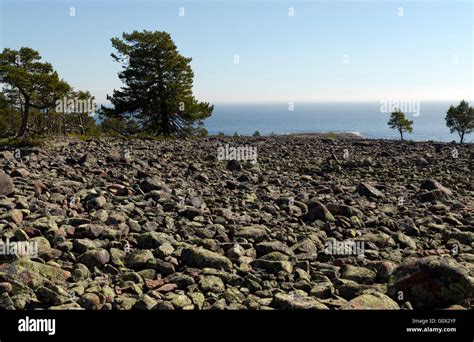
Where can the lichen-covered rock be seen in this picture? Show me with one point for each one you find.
(360, 275)
(256, 233)
(212, 284)
(95, 258)
(200, 258)
(32, 273)
(294, 301)
(6, 184)
(161, 225)
(371, 301)
(273, 266)
(318, 211)
(431, 282)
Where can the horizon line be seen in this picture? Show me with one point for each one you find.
(337, 101)
(328, 101)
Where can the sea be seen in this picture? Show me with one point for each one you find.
(368, 119)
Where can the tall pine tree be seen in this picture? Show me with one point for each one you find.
(157, 92)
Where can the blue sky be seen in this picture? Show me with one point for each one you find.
(327, 51)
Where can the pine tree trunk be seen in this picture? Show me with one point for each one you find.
(81, 124)
(24, 121)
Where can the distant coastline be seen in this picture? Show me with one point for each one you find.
(367, 119)
(330, 135)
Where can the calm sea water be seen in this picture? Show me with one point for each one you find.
(364, 118)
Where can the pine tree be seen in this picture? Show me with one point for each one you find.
(399, 122)
(38, 84)
(157, 92)
(460, 119)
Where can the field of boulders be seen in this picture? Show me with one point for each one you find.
(148, 224)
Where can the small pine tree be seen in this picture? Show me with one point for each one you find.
(399, 122)
(460, 119)
(256, 134)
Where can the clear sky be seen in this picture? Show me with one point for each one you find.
(326, 51)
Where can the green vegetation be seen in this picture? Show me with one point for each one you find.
(34, 101)
(157, 93)
(18, 142)
(156, 101)
(399, 122)
(30, 85)
(460, 119)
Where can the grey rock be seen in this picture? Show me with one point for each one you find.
(94, 258)
(369, 191)
(6, 184)
(285, 301)
(318, 211)
(200, 258)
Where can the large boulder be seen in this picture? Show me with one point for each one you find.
(31, 273)
(431, 282)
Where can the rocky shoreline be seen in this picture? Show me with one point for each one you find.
(315, 223)
(328, 135)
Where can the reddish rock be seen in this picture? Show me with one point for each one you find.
(167, 288)
(154, 284)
